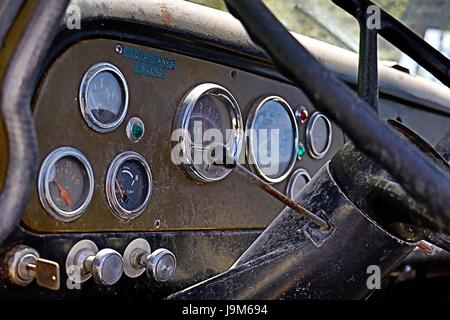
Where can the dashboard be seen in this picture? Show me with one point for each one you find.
(136, 114)
(124, 132)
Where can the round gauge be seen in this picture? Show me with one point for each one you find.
(128, 185)
(298, 180)
(318, 135)
(65, 184)
(209, 118)
(103, 97)
(272, 139)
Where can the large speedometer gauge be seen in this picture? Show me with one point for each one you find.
(208, 119)
(272, 143)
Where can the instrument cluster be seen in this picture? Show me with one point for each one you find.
(266, 133)
(66, 182)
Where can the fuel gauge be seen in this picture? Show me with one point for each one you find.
(128, 185)
(65, 184)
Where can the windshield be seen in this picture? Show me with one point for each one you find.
(323, 20)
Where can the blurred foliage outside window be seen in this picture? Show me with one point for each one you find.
(323, 20)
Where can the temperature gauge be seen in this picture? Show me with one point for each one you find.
(66, 184)
(128, 185)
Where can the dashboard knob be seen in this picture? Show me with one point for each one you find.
(161, 264)
(138, 258)
(106, 267)
(84, 260)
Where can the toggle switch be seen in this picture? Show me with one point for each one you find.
(85, 261)
(138, 258)
(25, 265)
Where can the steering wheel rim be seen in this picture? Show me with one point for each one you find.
(17, 92)
(416, 174)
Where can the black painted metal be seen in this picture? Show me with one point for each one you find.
(368, 86)
(375, 192)
(417, 174)
(404, 39)
(292, 259)
(200, 255)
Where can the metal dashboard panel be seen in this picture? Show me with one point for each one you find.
(177, 202)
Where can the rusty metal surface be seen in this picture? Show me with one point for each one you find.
(177, 202)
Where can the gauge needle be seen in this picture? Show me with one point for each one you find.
(64, 194)
(120, 189)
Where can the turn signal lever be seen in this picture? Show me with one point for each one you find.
(138, 258)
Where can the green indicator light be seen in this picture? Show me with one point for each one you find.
(137, 131)
(300, 151)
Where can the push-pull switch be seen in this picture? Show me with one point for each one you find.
(85, 260)
(25, 265)
(138, 258)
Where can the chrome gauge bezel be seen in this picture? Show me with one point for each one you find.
(44, 189)
(111, 175)
(309, 138)
(250, 152)
(90, 119)
(295, 174)
(182, 119)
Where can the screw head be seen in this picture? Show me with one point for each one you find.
(119, 48)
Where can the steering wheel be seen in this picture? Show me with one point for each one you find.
(417, 174)
(17, 92)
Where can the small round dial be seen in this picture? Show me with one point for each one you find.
(297, 182)
(318, 135)
(103, 97)
(128, 185)
(65, 184)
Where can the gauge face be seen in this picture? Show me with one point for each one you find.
(297, 182)
(128, 185)
(273, 139)
(131, 185)
(318, 135)
(210, 112)
(65, 184)
(104, 97)
(211, 117)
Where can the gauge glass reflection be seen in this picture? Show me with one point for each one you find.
(209, 119)
(105, 97)
(209, 113)
(68, 184)
(273, 139)
(318, 135)
(131, 185)
(65, 184)
(128, 185)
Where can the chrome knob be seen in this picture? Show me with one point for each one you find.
(161, 264)
(84, 260)
(138, 258)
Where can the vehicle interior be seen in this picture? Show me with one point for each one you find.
(175, 150)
